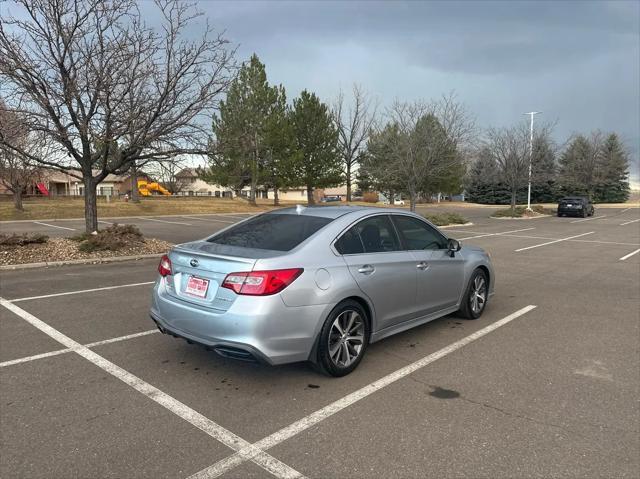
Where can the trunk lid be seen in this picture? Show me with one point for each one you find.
(199, 268)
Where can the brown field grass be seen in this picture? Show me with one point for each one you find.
(62, 208)
(65, 208)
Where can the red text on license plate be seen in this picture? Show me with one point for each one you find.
(197, 286)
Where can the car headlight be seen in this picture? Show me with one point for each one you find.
(579, 207)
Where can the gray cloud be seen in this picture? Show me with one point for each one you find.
(578, 62)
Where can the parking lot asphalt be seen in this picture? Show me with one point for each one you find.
(545, 384)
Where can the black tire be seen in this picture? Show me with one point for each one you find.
(467, 310)
(331, 365)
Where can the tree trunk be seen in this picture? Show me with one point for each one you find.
(90, 205)
(348, 183)
(276, 198)
(254, 181)
(135, 196)
(513, 202)
(17, 199)
(310, 199)
(412, 202)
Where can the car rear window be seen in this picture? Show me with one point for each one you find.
(278, 232)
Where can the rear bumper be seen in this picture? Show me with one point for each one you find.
(570, 212)
(253, 328)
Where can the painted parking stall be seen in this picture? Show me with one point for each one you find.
(83, 334)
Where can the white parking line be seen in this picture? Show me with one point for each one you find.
(105, 222)
(209, 219)
(629, 222)
(312, 419)
(63, 351)
(495, 234)
(629, 255)
(163, 221)
(54, 226)
(226, 437)
(554, 241)
(588, 219)
(574, 240)
(29, 298)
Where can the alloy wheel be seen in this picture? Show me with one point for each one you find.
(346, 338)
(478, 295)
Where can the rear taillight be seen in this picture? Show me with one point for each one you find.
(261, 283)
(164, 268)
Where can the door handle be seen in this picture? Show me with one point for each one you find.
(422, 265)
(366, 269)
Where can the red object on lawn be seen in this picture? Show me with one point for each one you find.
(43, 189)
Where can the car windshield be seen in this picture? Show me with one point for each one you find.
(278, 232)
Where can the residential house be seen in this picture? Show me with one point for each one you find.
(192, 185)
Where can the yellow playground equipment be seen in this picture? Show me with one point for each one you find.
(147, 189)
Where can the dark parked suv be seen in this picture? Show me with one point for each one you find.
(575, 205)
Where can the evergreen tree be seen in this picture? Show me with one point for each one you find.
(280, 143)
(318, 163)
(543, 170)
(376, 172)
(597, 167)
(578, 167)
(240, 149)
(613, 168)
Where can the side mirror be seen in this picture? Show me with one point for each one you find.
(453, 246)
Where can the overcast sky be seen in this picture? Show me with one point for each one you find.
(577, 61)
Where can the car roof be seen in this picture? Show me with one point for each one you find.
(333, 212)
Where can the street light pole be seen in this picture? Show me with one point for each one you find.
(531, 114)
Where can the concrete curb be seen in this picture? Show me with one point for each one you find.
(114, 259)
(520, 218)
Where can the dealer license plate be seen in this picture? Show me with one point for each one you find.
(197, 286)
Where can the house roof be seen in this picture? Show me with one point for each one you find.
(187, 173)
(55, 176)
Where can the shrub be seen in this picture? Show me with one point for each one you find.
(112, 238)
(23, 239)
(443, 219)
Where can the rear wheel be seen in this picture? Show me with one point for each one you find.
(475, 298)
(343, 339)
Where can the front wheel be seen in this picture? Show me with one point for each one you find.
(343, 339)
(475, 298)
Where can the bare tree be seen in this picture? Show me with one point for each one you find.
(421, 145)
(355, 122)
(165, 172)
(92, 75)
(510, 147)
(17, 171)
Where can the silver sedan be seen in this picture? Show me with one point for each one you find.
(316, 284)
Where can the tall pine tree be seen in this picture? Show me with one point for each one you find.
(240, 149)
(318, 163)
(613, 171)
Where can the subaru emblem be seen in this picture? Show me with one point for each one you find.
(193, 262)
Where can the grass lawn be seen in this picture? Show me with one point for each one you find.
(60, 208)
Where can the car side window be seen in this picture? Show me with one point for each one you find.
(371, 235)
(350, 243)
(418, 235)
